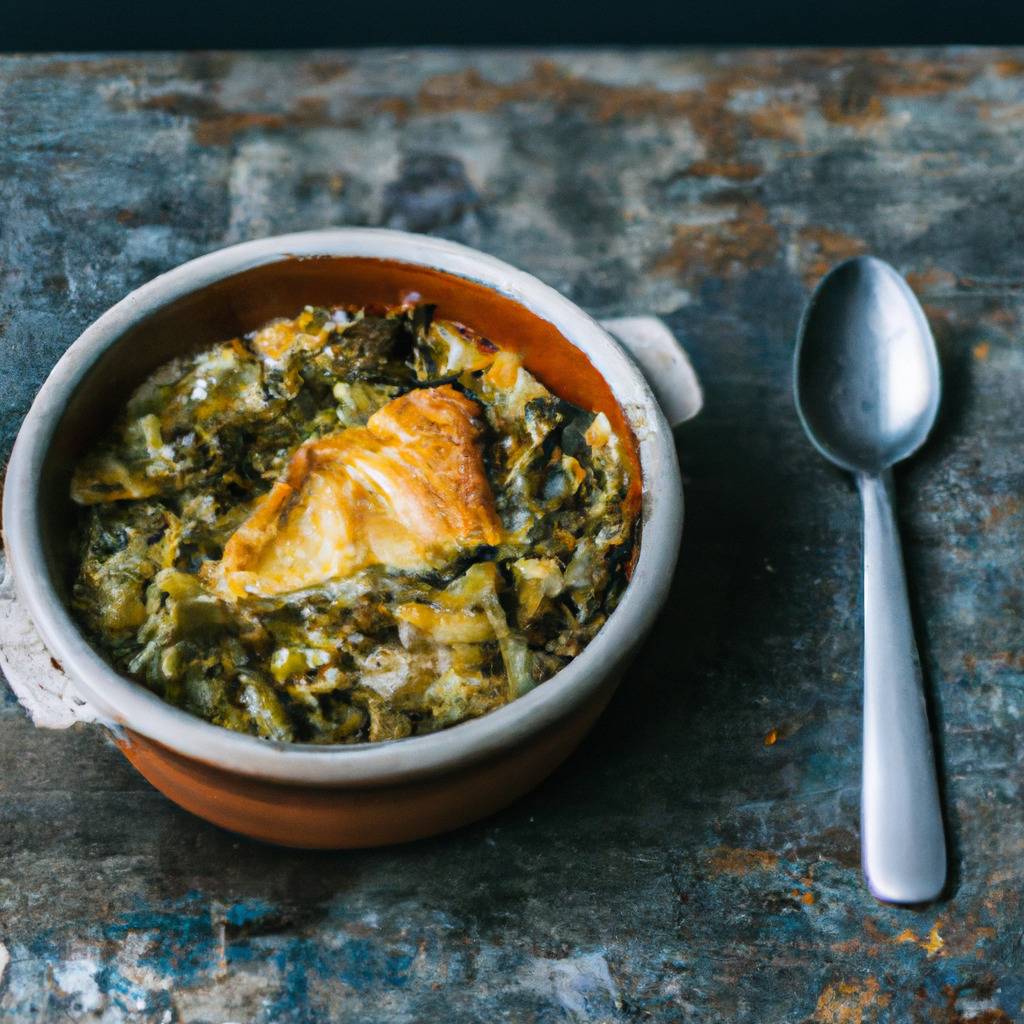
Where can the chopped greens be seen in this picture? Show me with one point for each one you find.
(217, 450)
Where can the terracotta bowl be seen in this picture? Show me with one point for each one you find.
(335, 796)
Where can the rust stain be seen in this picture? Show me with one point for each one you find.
(850, 108)
(966, 936)
(220, 130)
(1012, 285)
(1000, 512)
(858, 99)
(311, 109)
(778, 733)
(944, 321)
(821, 248)
(215, 126)
(850, 92)
(327, 69)
(895, 75)
(879, 939)
(998, 878)
(101, 67)
(932, 944)
(548, 83)
(1001, 113)
(397, 106)
(838, 845)
(847, 946)
(722, 169)
(990, 1015)
(783, 122)
(180, 103)
(1009, 659)
(728, 860)
(1008, 67)
(932, 279)
(725, 249)
(851, 1002)
(981, 351)
(1002, 316)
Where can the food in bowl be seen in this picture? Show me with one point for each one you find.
(358, 524)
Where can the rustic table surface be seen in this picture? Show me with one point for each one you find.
(697, 860)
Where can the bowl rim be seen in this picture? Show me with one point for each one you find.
(124, 704)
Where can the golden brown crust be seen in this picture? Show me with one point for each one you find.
(407, 490)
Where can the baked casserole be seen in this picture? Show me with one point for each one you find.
(356, 525)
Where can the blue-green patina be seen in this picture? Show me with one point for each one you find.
(697, 860)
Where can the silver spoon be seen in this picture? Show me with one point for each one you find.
(867, 391)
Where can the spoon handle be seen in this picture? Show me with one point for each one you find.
(903, 848)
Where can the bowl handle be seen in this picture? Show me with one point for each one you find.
(663, 362)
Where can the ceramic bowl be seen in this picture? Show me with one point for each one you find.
(334, 796)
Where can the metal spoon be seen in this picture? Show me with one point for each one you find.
(867, 392)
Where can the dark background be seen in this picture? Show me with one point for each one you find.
(243, 24)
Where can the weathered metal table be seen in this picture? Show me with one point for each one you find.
(697, 860)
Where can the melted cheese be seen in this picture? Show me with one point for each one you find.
(408, 491)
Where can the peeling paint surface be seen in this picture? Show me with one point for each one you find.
(697, 860)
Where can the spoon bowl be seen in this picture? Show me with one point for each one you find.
(867, 374)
